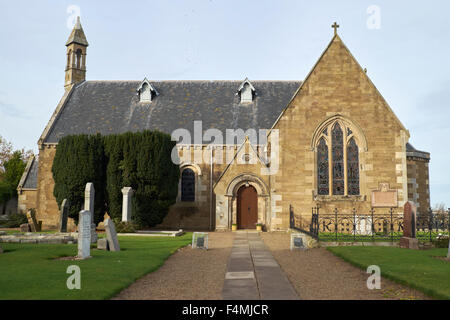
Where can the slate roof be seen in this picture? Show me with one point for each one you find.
(110, 107)
(30, 175)
(413, 152)
(77, 35)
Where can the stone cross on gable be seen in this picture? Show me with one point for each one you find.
(335, 26)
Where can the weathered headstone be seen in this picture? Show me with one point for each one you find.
(409, 220)
(84, 234)
(111, 235)
(25, 227)
(89, 196)
(102, 244)
(31, 216)
(298, 241)
(409, 227)
(126, 203)
(64, 213)
(200, 240)
(101, 225)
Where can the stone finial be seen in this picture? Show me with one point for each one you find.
(77, 35)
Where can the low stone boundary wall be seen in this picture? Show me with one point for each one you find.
(52, 238)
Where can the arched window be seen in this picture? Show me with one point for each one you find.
(78, 58)
(188, 185)
(337, 146)
(352, 167)
(337, 159)
(322, 168)
(69, 57)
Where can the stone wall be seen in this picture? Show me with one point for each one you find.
(47, 208)
(27, 200)
(337, 88)
(418, 183)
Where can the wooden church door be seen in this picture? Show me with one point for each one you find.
(247, 207)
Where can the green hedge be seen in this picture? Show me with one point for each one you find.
(80, 159)
(141, 160)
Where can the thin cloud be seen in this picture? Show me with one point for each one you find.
(12, 111)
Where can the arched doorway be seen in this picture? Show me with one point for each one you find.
(247, 207)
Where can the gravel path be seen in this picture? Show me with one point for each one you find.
(189, 274)
(317, 274)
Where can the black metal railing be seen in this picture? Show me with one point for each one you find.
(372, 226)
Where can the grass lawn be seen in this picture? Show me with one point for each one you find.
(30, 271)
(416, 268)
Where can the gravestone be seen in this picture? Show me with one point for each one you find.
(31, 216)
(409, 220)
(298, 241)
(111, 235)
(84, 234)
(89, 196)
(25, 227)
(64, 213)
(126, 203)
(409, 240)
(102, 244)
(101, 225)
(200, 240)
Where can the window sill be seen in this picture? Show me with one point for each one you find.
(322, 198)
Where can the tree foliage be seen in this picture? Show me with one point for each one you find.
(140, 160)
(10, 177)
(7, 151)
(79, 159)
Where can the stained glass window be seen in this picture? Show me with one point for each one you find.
(337, 145)
(188, 185)
(322, 165)
(352, 168)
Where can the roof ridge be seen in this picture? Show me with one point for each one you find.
(187, 80)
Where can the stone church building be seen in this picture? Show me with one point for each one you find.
(330, 140)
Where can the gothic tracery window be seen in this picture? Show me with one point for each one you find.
(322, 166)
(337, 161)
(188, 185)
(352, 168)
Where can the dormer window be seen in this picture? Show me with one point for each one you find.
(146, 91)
(246, 91)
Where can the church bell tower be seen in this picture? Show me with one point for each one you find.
(76, 56)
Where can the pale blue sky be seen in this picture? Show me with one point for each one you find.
(407, 58)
